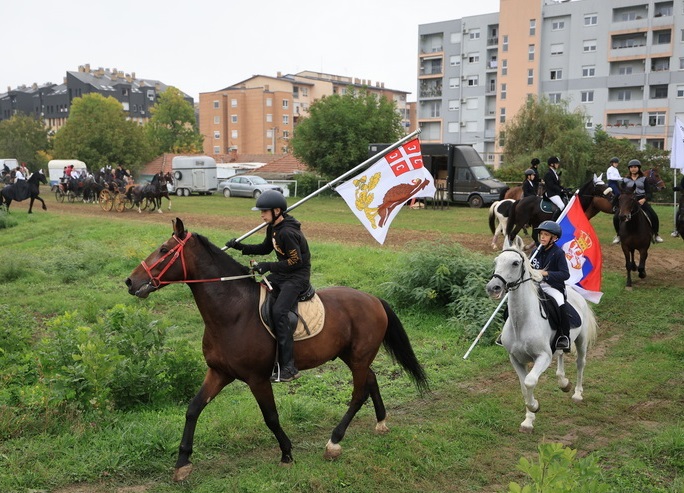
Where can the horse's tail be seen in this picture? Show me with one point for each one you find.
(397, 344)
(592, 327)
(502, 194)
(492, 216)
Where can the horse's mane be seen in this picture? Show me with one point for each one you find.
(535, 274)
(219, 256)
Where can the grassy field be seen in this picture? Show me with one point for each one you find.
(461, 437)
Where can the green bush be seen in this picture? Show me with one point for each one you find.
(6, 221)
(558, 471)
(445, 276)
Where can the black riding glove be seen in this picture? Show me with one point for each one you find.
(233, 243)
(261, 268)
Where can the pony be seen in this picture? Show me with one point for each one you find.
(236, 345)
(634, 231)
(654, 180)
(527, 334)
(595, 196)
(498, 218)
(12, 192)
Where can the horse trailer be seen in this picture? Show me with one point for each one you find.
(459, 172)
(194, 174)
(56, 169)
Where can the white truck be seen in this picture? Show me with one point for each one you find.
(194, 174)
(56, 169)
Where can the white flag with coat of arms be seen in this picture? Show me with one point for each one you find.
(377, 195)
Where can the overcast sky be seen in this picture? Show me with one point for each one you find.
(206, 45)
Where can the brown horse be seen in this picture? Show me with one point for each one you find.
(635, 233)
(595, 196)
(236, 346)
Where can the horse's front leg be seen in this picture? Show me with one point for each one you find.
(44, 207)
(531, 405)
(333, 449)
(643, 255)
(212, 385)
(263, 393)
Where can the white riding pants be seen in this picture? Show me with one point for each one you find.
(553, 293)
(558, 201)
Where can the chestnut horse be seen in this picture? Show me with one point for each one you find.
(236, 345)
(635, 233)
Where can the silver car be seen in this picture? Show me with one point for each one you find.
(246, 186)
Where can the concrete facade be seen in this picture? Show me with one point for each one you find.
(621, 62)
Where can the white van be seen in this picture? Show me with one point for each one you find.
(56, 168)
(9, 162)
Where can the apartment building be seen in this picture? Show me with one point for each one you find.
(619, 61)
(52, 102)
(258, 115)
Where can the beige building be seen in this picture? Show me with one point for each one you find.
(258, 115)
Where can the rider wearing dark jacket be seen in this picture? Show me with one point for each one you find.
(528, 187)
(290, 275)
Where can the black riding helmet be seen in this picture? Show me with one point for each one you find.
(634, 162)
(270, 200)
(550, 227)
(529, 172)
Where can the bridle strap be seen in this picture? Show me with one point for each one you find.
(175, 253)
(512, 286)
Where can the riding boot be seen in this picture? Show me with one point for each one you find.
(285, 370)
(563, 341)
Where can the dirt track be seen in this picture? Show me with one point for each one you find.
(660, 265)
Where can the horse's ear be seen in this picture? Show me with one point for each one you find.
(178, 227)
(598, 178)
(506, 242)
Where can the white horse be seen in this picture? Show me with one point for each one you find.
(527, 334)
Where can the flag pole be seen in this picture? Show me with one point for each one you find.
(477, 339)
(334, 182)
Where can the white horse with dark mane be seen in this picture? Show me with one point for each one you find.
(527, 334)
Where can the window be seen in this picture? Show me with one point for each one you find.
(681, 64)
(555, 97)
(217, 105)
(286, 119)
(557, 25)
(217, 120)
(455, 38)
(455, 60)
(473, 57)
(556, 74)
(588, 71)
(589, 46)
(455, 104)
(660, 92)
(662, 37)
(217, 134)
(628, 16)
(474, 34)
(502, 115)
(680, 91)
(530, 76)
(557, 49)
(590, 20)
(233, 118)
(286, 103)
(434, 109)
(269, 102)
(587, 96)
(217, 149)
(503, 91)
(453, 127)
(504, 42)
(269, 117)
(625, 70)
(473, 80)
(656, 119)
(233, 103)
(589, 122)
(533, 27)
(504, 67)
(530, 53)
(454, 82)
(234, 134)
(624, 95)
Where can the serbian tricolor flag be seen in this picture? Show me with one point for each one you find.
(377, 195)
(582, 251)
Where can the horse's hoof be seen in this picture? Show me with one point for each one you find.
(182, 473)
(628, 287)
(525, 429)
(285, 464)
(567, 387)
(381, 427)
(332, 451)
(577, 398)
(642, 274)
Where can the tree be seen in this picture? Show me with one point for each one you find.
(542, 129)
(335, 136)
(98, 133)
(173, 126)
(24, 138)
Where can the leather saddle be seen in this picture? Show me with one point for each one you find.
(306, 324)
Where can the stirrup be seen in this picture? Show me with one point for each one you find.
(284, 375)
(563, 342)
(498, 341)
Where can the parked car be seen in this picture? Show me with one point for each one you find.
(246, 186)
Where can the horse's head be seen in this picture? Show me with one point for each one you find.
(653, 178)
(38, 176)
(166, 265)
(628, 205)
(511, 269)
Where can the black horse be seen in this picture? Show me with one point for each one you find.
(16, 193)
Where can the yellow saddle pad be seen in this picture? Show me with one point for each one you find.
(312, 311)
